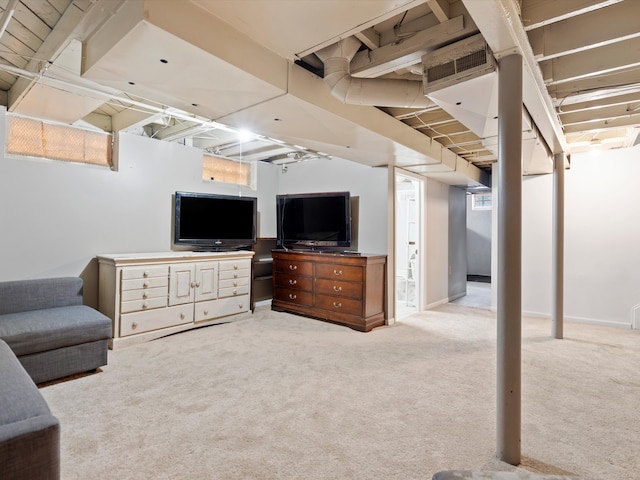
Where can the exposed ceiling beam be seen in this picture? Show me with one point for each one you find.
(609, 58)
(631, 98)
(632, 120)
(617, 83)
(601, 114)
(392, 57)
(440, 9)
(497, 21)
(594, 29)
(369, 38)
(537, 13)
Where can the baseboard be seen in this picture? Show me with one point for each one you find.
(590, 321)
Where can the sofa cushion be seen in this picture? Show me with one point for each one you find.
(42, 330)
(36, 294)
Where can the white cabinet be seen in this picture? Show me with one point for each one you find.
(151, 295)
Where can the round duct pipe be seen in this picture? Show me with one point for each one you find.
(381, 92)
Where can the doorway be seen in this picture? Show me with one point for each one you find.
(408, 244)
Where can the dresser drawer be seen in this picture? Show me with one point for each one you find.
(143, 294)
(221, 307)
(294, 281)
(146, 283)
(145, 272)
(146, 304)
(235, 265)
(234, 282)
(294, 296)
(338, 288)
(231, 274)
(339, 304)
(233, 291)
(293, 266)
(341, 272)
(145, 321)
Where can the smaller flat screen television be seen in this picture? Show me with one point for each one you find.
(314, 220)
(216, 222)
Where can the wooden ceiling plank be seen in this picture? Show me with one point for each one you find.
(601, 102)
(594, 62)
(537, 13)
(44, 10)
(597, 28)
(440, 9)
(605, 113)
(31, 21)
(628, 121)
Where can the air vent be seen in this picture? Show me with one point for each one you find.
(457, 62)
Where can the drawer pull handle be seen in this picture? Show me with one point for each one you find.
(145, 305)
(182, 316)
(235, 267)
(337, 272)
(193, 284)
(145, 295)
(134, 325)
(337, 289)
(240, 305)
(293, 282)
(235, 275)
(235, 292)
(206, 312)
(293, 296)
(197, 284)
(145, 273)
(293, 267)
(337, 305)
(235, 284)
(145, 284)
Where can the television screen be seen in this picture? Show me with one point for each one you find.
(311, 220)
(214, 221)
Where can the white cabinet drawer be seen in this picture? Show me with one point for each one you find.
(146, 304)
(235, 265)
(233, 291)
(139, 283)
(234, 282)
(221, 307)
(230, 274)
(145, 272)
(145, 321)
(143, 294)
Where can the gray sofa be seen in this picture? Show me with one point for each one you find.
(29, 434)
(49, 329)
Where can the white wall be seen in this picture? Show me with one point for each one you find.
(437, 243)
(602, 257)
(478, 240)
(367, 183)
(56, 216)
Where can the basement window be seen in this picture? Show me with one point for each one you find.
(226, 170)
(34, 138)
(481, 201)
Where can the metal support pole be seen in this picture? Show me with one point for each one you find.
(557, 313)
(509, 313)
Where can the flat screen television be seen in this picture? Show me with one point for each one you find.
(314, 220)
(217, 222)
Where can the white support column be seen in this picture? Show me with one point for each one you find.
(509, 314)
(557, 313)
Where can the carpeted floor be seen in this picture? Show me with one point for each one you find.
(277, 396)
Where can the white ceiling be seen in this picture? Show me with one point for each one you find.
(183, 71)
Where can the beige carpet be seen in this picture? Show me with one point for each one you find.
(278, 396)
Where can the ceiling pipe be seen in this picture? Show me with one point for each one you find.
(380, 92)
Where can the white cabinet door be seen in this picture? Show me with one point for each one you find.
(181, 283)
(206, 281)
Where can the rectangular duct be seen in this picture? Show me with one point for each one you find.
(458, 62)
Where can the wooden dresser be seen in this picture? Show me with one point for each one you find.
(340, 288)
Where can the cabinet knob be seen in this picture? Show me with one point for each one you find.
(235, 267)
(292, 296)
(337, 289)
(182, 316)
(145, 294)
(235, 292)
(145, 284)
(193, 284)
(145, 305)
(235, 275)
(240, 306)
(337, 272)
(197, 284)
(293, 267)
(337, 305)
(134, 325)
(293, 282)
(145, 273)
(206, 312)
(235, 284)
